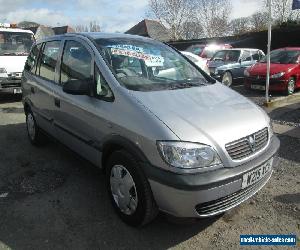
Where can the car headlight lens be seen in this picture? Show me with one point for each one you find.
(3, 70)
(188, 155)
(277, 75)
(246, 73)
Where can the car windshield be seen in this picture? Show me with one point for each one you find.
(283, 56)
(208, 52)
(148, 65)
(15, 43)
(227, 55)
(197, 50)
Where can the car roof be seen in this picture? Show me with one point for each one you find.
(288, 48)
(97, 35)
(251, 49)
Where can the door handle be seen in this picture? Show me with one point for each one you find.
(57, 102)
(32, 90)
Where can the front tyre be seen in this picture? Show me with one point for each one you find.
(227, 79)
(129, 189)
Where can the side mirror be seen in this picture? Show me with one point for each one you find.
(76, 87)
(240, 61)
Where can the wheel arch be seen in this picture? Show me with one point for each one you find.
(116, 142)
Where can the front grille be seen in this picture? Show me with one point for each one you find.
(10, 83)
(222, 204)
(248, 145)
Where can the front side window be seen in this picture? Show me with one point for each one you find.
(32, 58)
(283, 56)
(148, 66)
(76, 63)
(49, 59)
(15, 43)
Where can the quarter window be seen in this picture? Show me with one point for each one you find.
(49, 59)
(102, 89)
(32, 58)
(76, 63)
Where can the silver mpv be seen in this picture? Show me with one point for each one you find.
(167, 136)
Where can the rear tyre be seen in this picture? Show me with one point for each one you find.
(227, 79)
(290, 86)
(129, 190)
(33, 131)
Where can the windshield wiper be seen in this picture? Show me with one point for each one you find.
(184, 85)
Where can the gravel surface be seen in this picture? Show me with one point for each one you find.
(52, 199)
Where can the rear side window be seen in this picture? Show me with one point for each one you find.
(32, 58)
(246, 56)
(256, 56)
(76, 63)
(49, 59)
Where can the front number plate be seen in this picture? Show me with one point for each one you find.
(255, 175)
(259, 87)
(17, 91)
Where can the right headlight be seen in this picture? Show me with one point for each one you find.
(187, 155)
(246, 73)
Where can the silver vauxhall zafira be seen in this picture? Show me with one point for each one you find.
(167, 136)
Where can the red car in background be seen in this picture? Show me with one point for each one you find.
(284, 71)
(207, 51)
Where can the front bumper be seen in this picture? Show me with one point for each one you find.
(210, 193)
(275, 84)
(10, 85)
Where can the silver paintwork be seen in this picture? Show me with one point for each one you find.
(214, 115)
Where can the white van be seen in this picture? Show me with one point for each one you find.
(15, 45)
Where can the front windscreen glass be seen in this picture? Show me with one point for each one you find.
(147, 65)
(15, 43)
(283, 57)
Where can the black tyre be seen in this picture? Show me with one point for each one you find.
(33, 131)
(129, 189)
(290, 86)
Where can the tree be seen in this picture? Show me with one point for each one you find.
(213, 15)
(240, 25)
(92, 27)
(192, 30)
(173, 13)
(259, 21)
(282, 11)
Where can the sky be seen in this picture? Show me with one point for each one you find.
(113, 15)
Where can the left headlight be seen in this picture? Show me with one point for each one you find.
(3, 70)
(188, 155)
(277, 75)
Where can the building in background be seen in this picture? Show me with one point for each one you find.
(152, 29)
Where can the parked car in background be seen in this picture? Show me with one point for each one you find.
(229, 65)
(183, 143)
(207, 50)
(15, 45)
(284, 71)
(199, 61)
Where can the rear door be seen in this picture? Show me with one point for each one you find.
(246, 61)
(47, 79)
(42, 85)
